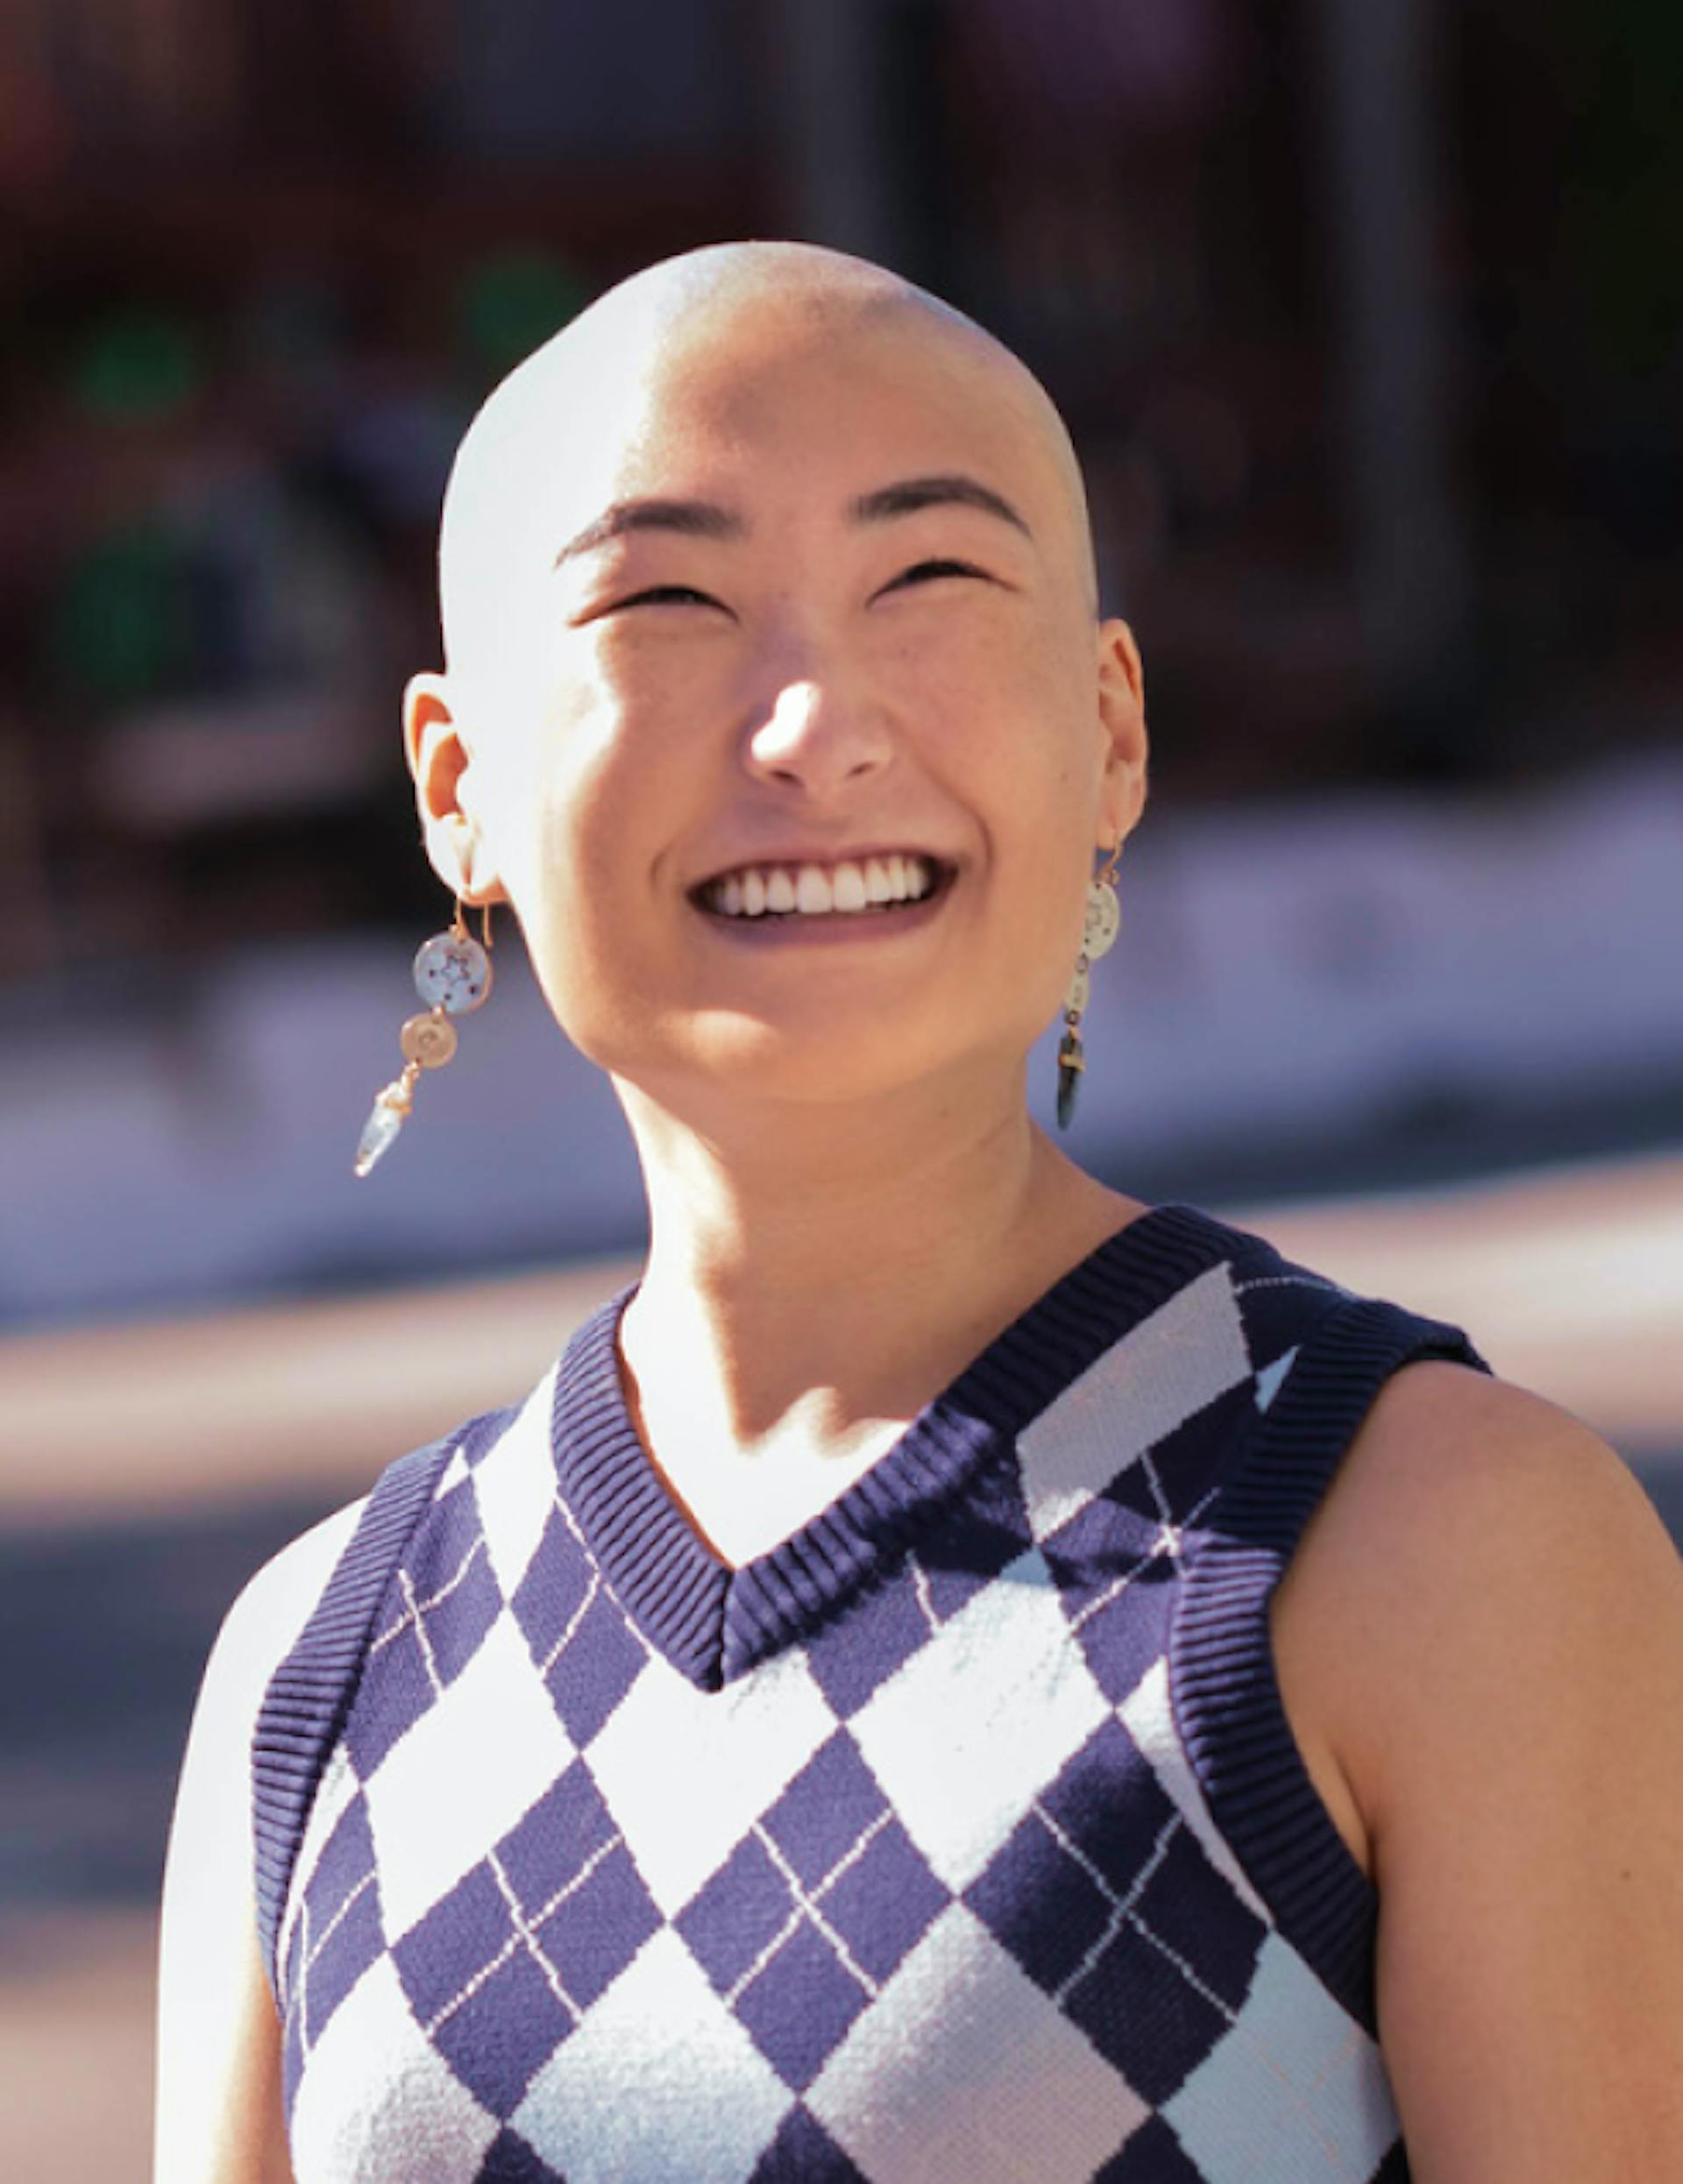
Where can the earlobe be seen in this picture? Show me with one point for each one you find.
(443, 767)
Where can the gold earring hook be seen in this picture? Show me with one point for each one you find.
(458, 924)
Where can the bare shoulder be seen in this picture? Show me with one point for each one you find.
(1441, 1433)
(1480, 1643)
(1478, 1543)
(266, 1617)
(218, 2108)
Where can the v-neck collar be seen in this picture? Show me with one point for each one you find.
(712, 1620)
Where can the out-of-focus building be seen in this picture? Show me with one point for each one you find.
(1367, 316)
(1364, 320)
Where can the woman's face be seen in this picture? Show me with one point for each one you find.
(817, 602)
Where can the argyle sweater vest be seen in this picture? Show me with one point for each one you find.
(961, 1838)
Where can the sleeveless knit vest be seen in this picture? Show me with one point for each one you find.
(961, 1838)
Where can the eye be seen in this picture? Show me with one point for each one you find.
(670, 595)
(927, 571)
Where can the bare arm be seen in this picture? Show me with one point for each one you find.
(219, 2117)
(1484, 1630)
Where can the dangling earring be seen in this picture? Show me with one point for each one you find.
(1098, 936)
(452, 973)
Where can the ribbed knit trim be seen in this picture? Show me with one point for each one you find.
(1227, 1701)
(308, 1698)
(713, 1622)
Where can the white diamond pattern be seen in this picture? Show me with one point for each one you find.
(661, 2029)
(960, 2016)
(965, 1734)
(665, 1733)
(1165, 1371)
(481, 1754)
(961, 2055)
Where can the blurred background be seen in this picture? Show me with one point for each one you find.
(1367, 318)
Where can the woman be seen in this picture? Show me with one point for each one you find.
(960, 1674)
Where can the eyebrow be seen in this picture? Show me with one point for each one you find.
(909, 495)
(706, 519)
(690, 519)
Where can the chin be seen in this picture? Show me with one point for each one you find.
(735, 1064)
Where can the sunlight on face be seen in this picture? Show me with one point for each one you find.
(755, 581)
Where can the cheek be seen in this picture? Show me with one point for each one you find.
(587, 821)
(572, 792)
(1017, 734)
(1037, 771)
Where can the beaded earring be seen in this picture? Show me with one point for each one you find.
(452, 975)
(1098, 936)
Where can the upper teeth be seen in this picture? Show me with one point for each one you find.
(814, 890)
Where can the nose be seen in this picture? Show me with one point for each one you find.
(819, 737)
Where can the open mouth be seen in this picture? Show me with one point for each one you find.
(850, 887)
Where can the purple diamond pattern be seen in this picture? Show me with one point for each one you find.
(812, 1918)
(1154, 2155)
(813, 1912)
(852, 1654)
(1107, 1901)
(804, 2152)
(503, 1968)
(510, 2159)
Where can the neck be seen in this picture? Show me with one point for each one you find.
(815, 1280)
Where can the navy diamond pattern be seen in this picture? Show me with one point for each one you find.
(776, 1962)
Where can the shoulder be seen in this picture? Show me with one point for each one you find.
(1444, 1445)
(1482, 1595)
(1481, 1639)
(213, 1811)
(259, 1629)
(1478, 1545)
(217, 2107)
(1483, 1634)
(1464, 1499)
(268, 1617)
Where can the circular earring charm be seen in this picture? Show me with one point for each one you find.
(452, 971)
(1104, 918)
(429, 1039)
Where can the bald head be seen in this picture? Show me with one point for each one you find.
(727, 326)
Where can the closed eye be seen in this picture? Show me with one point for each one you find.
(670, 595)
(929, 572)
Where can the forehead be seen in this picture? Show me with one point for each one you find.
(764, 403)
(772, 403)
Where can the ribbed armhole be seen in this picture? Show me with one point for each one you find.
(309, 1696)
(1227, 1701)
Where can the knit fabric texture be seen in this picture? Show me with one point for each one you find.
(962, 1836)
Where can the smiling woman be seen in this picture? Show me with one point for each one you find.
(957, 1672)
(765, 647)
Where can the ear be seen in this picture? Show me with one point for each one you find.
(1122, 716)
(445, 786)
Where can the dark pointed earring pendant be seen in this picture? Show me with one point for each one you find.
(1071, 1063)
